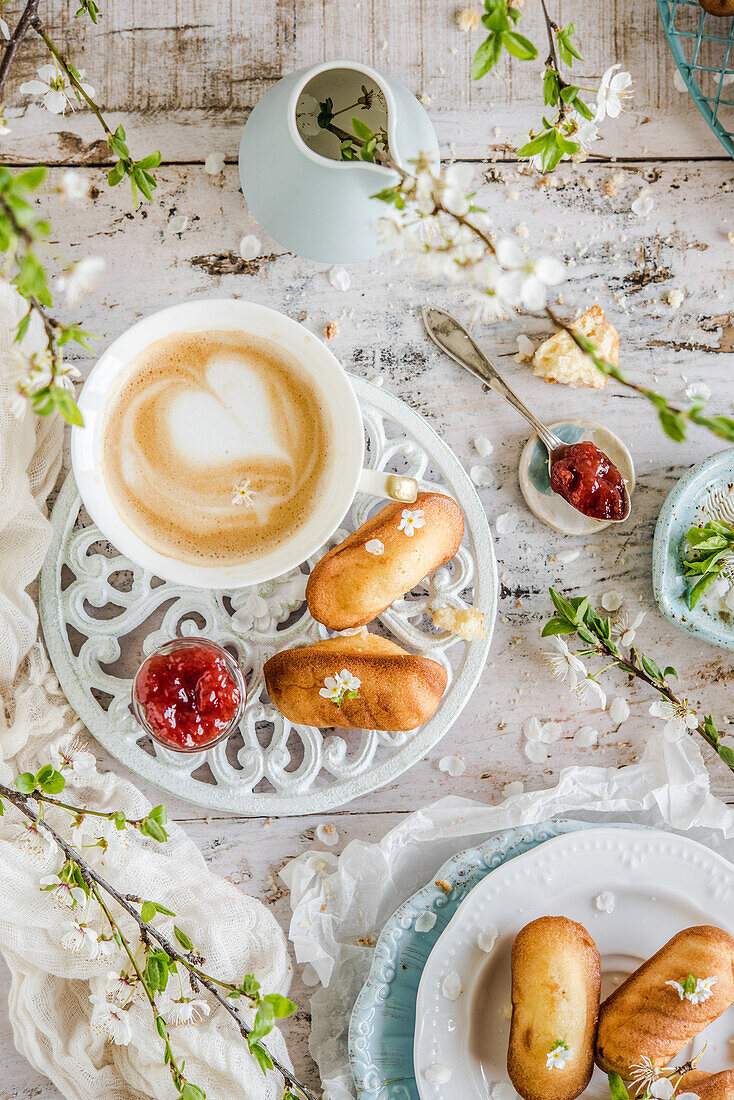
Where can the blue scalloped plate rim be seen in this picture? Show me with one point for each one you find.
(382, 1024)
(676, 516)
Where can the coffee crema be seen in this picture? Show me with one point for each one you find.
(215, 447)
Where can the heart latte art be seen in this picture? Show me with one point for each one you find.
(215, 447)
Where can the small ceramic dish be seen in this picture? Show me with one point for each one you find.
(535, 479)
(706, 491)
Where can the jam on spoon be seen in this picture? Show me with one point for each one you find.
(588, 479)
(189, 694)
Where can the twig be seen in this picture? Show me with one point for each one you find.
(11, 48)
(147, 931)
(40, 29)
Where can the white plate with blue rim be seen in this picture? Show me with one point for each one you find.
(649, 885)
(706, 491)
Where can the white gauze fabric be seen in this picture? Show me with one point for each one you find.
(49, 1003)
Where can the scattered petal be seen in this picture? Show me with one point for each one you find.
(536, 752)
(214, 164)
(612, 600)
(250, 247)
(328, 835)
(503, 1091)
(586, 737)
(437, 1074)
(698, 391)
(482, 476)
(619, 710)
(525, 349)
(507, 522)
(178, 224)
(511, 789)
(679, 82)
(643, 204)
(340, 278)
(487, 938)
(452, 765)
(451, 986)
(604, 901)
(566, 556)
(375, 546)
(483, 446)
(425, 922)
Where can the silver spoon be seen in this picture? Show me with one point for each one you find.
(452, 338)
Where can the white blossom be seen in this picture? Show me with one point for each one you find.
(120, 986)
(81, 279)
(411, 521)
(701, 991)
(564, 664)
(614, 88)
(558, 1055)
(611, 600)
(589, 692)
(243, 495)
(586, 134)
(64, 894)
(328, 835)
(662, 1089)
(186, 1010)
(80, 939)
(624, 631)
(524, 280)
(111, 1021)
(55, 89)
(337, 687)
(71, 756)
(679, 718)
(34, 840)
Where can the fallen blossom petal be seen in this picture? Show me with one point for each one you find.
(642, 205)
(514, 788)
(452, 765)
(605, 901)
(482, 476)
(535, 752)
(612, 600)
(250, 247)
(506, 523)
(214, 164)
(451, 986)
(327, 835)
(425, 922)
(619, 710)
(483, 446)
(487, 938)
(340, 278)
(586, 737)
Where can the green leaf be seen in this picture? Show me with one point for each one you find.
(151, 161)
(152, 829)
(54, 784)
(148, 911)
(566, 48)
(31, 179)
(156, 971)
(557, 626)
(159, 814)
(264, 1020)
(182, 938)
(192, 1092)
(565, 609)
(699, 588)
(486, 56)
(617, 1088)
(160, 1025)
(261, 1056)
(551, 87)
(120, 820)
(250, 986)
(282, 1007)
(25, 782)
(673, 424)
(116, 173)
(519, 46)
(669, 671)
(362, 130)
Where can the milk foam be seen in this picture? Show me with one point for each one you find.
(198, 415)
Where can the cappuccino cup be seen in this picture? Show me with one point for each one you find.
(222, 444)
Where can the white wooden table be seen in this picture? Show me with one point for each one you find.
(182, 78)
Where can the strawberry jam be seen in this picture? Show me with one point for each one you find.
(590, 482)
(189, 694)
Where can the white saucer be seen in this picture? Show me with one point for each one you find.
(661, 883)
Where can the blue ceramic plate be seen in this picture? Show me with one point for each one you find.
(681, 509)
(382, 1026)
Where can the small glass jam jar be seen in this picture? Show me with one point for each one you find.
(189, 694)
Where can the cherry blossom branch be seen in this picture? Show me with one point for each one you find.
(29, 805)
(11, 47)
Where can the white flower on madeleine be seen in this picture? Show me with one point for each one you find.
(411, 521)
(110, 1021)
(614, 88)
(558, 1055)
(81, 278)
(564, 664)
(56, 91)
(343, 685)
(693, 989)
(679, 719)
(590, 693)
(524, 280)
(64, 894)
(72, 758)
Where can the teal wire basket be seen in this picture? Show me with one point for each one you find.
(703, 48)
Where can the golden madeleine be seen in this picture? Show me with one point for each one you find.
(355, 682)
(708, 1086)
(667, 1001)
(556, 976)
(387, 556)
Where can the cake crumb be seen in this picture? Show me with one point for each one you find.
(465, 623)
(467, 19)
(332, 330)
